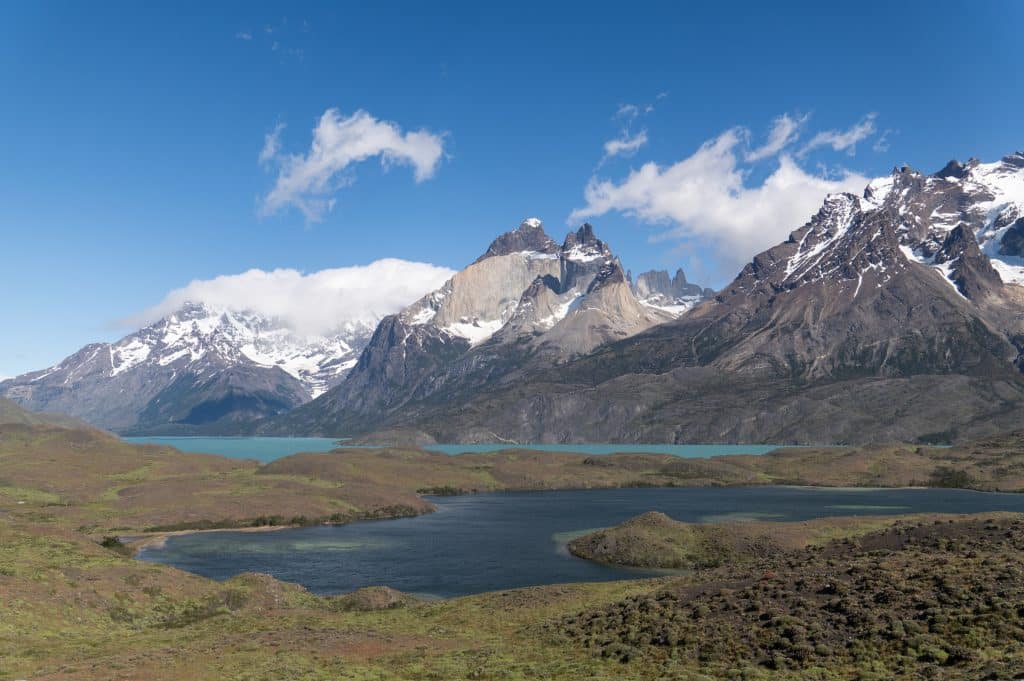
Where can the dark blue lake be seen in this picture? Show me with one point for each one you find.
(499, 541)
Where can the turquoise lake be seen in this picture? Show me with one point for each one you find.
(266, 449)
(263, 449)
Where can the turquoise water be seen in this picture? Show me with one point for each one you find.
(263, 449)
(266, 449)
(685, 451)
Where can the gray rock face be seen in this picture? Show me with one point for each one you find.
(967, 267)
(197, 369)
(1012, 242)
(891, 315)
(656, 288)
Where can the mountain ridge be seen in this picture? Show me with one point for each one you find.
(195, 367)
(891, 314)
(508, 310)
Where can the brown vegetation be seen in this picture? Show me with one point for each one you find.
(653, 540)
(924, 600)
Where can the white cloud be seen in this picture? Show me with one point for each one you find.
(624, 146)
(843, 140)
(311, 304)
(271, 145)
(706, 197)
(308, 181)
(244, 35)
(785, 130)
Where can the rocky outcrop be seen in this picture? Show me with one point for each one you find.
(1012, 242)
(962, 262)
(529, 238)
(657, 289)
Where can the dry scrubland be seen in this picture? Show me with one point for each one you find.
(937, 599)
(918, 597)
(90, 481)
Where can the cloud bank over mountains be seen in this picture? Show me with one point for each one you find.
(313, 304)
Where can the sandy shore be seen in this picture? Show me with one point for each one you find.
(143, 540)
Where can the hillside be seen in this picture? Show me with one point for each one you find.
(11, 413)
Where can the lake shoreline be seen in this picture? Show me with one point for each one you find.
(268, 449)
(462, 555)
(139, 541)
(158, 539)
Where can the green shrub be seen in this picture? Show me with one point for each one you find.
(115, 545)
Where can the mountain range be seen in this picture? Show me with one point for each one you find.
(201, 367)
(526, 302)
(895, 314)
(213, 370)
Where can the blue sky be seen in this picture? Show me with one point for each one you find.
(131, 134)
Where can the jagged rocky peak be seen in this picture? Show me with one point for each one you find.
(481, 298)
(528, 237)
(657, 288)
(529, 288)
(988, 198)
(965, 221)
(963, 264)
(583, 245)
(1015, 159)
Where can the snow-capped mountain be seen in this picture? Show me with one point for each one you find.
(897, 314)
(169, 373)
(197, 330)
(526, 301)
(985, 198)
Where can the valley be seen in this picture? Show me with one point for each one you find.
(511, 341)
(77, 606)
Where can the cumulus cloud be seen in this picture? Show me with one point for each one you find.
(785, 131)
(312, 304)
(308, 181)
(707, 197)
(626, 145)
(843, 140)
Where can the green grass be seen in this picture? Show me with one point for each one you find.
(71, 608)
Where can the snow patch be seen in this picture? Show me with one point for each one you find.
(476, 331)
(580, 254)
(131, 354)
